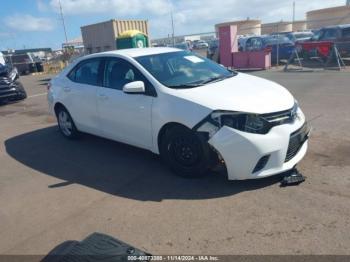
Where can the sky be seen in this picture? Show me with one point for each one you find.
(37, 23)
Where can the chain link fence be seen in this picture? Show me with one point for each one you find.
(53, 62)
(280, 34)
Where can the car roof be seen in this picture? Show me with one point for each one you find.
(136, 52)
(337, 26)
(302, 32)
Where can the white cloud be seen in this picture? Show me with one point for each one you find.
(191, 16)
(42, 6)
(208, 12)
(116, 7)
(29, 23)
(5, 35)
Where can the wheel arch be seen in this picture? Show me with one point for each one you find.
(57, 106)
(165, 128)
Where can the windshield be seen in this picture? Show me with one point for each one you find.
(305, 35)
(273, 40)
(183, 69)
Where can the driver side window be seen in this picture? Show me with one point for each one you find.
(119, 72)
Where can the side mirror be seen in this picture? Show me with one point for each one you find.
(136, 87)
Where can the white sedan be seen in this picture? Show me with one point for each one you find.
(190, 110)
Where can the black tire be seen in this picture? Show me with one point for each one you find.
(23, 93)
(185, 152)
(66, 123)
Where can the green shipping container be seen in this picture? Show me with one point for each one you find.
(132, 39)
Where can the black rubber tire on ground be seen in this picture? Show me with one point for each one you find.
(23, 94)
(70, 133)
(185, 152)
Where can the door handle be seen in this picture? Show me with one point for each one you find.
(103, 96)
(67, 89)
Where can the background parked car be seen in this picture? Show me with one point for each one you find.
(183, 46)
(340, 35)
(2, 59)
(26, 63)
(280, 46)
(299, 36)
(213, 50)
(10, 88)
(200, 44)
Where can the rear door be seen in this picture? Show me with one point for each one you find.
(79, 94)
(125, 117)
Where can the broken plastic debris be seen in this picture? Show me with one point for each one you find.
(293, 178)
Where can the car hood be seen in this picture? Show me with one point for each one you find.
(244, 93)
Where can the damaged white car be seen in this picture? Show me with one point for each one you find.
(190, 110)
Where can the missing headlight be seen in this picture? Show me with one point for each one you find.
(245, 122)
(251, 123)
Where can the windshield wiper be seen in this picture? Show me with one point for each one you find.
(185, 86)
(218, 78)
(213, 79)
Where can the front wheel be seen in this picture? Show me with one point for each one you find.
(185, 152)
(22, 92)
(66, 124)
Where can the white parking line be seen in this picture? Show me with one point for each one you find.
(42, 94)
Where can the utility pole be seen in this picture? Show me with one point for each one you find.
(294, 12)
(63, 23)
(172, 26)
(172, 22)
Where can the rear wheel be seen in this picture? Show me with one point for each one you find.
(185, 152)
(66, 124)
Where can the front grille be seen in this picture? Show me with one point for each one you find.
(296, 141)
(283, 117)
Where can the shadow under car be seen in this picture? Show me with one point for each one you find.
(116, 168)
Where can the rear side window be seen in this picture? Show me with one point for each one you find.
(86, 72)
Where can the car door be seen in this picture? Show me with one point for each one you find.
(80, 90)
(125, 117)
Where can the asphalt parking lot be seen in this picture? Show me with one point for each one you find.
(53, 190)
